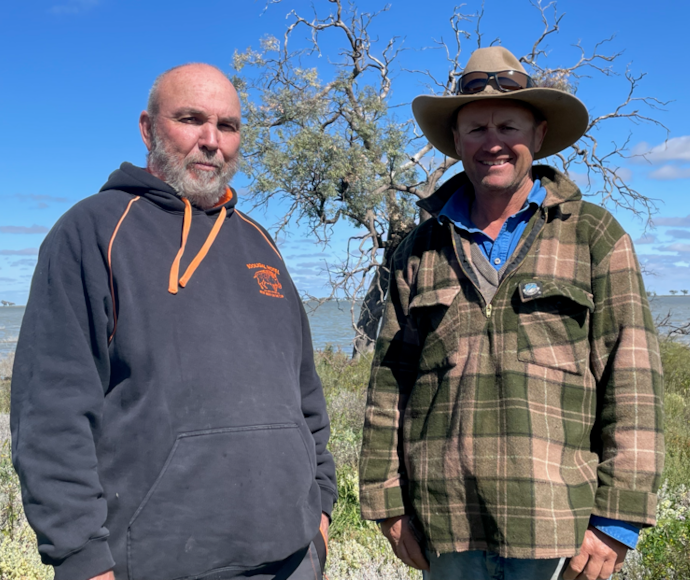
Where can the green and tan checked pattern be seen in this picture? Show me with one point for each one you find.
(502, 427)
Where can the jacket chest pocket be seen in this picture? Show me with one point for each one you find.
(438, 322)
(553, 325)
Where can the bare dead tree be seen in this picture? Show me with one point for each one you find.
(335, 150)
(669, 328)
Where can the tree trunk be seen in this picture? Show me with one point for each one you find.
(372, 310)
(375, 298)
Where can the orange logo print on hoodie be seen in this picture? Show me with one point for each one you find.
(267, 278)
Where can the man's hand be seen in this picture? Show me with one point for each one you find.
(106, 576)
(599, 557)
(325, 522)
(405, 546)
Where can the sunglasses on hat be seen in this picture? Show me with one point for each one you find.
(506, 81)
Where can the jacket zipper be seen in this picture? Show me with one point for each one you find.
(488, 308)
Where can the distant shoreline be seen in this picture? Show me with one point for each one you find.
(347, 300)
(668, 296)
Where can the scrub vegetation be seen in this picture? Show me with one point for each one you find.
(358, 551)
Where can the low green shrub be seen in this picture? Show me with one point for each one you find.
(357, 549)
(4, 396)
(345, 387)
(665, 549)
(19, 559)
(675, 357)
(663, 552)
(6, 363)
(346, 521)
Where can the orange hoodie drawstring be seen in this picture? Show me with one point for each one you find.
(174, 282)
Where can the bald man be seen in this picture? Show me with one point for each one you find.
(167, 418)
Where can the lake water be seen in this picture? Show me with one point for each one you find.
(10, 321)
(331, 323)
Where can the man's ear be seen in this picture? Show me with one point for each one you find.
(456, 140)
(539, 134)
(146, 129)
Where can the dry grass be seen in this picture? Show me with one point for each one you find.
(5, 376)
(4, 428)
(6, 363)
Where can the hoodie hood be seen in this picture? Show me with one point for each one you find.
(137, 181)
(141, 184)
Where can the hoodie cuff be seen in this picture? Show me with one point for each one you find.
(327, 501)
(92, 559)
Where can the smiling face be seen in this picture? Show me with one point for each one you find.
(193, 135)
(497, 140)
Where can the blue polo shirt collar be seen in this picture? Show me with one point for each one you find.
(457, 208)
(499, 251)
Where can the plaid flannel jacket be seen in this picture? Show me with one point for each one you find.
(504, 426)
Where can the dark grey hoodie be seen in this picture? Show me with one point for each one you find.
(166, 420)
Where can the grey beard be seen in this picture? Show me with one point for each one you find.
(203, 189)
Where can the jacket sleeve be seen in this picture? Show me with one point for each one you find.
(382, 473)
(61, 371)
(628, 433)
(316, 416)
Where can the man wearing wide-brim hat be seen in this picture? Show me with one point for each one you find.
(514, 423)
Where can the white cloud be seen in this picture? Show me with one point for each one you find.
(24, 252)
(676, 222)
(677, 247)
(40, 200)
(584, 181)
(668, 172)
(665, 271)
(684, 234)
(624, 173)
(74, 6)
(34, 229)
(646, 239)
(24, 263)
(676, 149)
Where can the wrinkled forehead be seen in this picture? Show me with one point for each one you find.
(496, 110)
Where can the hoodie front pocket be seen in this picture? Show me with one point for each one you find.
(226, 498)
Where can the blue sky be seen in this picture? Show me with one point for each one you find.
(76, 73)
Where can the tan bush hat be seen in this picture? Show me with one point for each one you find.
(565, 114)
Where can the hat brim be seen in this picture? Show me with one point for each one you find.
(566, 116)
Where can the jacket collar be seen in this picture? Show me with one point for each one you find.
(558, 189)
